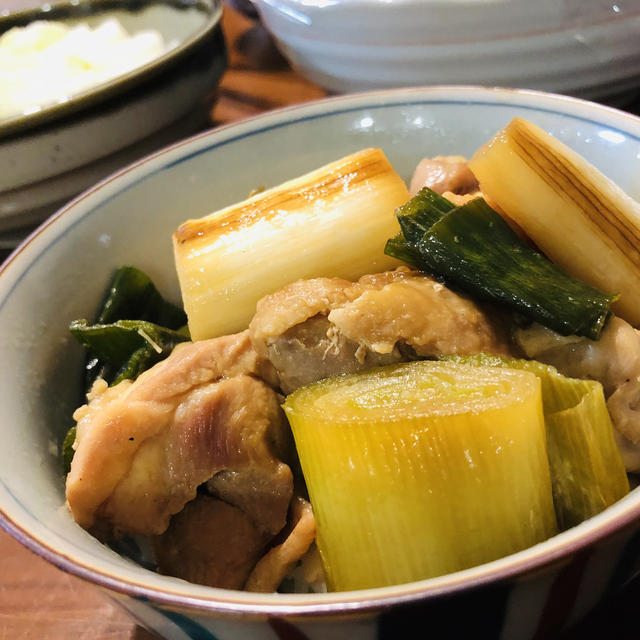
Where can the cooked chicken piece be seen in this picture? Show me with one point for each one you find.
(312, 569)
(280, 560)
(210, 542)
(460, 199)
(252, 489)
(406, 306)
(214, 543)
(315, 328)
(629, 452)
(613, 360)
(443, 173)
(624, 409)
(143, 448)
(313, 350)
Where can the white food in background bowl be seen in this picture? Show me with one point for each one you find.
(51, 154)
(48, 61)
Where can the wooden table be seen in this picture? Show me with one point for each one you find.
(37, 600)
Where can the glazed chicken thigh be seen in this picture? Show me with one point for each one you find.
(315, 328)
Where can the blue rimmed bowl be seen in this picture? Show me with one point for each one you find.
(59, 274)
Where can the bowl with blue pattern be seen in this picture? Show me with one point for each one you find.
(60, 272)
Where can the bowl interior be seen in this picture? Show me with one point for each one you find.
(59, 274)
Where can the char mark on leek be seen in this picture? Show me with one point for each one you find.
(473, 249)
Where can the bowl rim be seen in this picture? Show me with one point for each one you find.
(313, 17)
(77, 9)
(454, 5)
(177, 593)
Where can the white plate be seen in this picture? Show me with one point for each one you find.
(585, 48)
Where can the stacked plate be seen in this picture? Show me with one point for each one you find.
(585, 48)
(50, 153)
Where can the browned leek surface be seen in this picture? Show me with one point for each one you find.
(331, 222)
(578, 217)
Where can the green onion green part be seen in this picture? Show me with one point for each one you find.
(474, 250)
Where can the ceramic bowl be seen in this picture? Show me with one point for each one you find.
(50, 155)
(60, 272)
(585, 48)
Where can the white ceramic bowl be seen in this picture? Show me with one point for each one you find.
(586, 48)
(51, 155)
(60, 272)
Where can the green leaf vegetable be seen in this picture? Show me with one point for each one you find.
(126, 348)
(134, 329)
(133, 296)
(473, 249)
(130, 296)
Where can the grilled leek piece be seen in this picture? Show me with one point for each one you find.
(421, 469)
(332, 222)
(578, 217)
(587, 472)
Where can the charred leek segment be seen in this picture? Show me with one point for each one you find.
(579, 218)
(474, 249)
(331, 222)
(587, 472)
(421, 469)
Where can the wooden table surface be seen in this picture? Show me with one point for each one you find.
(37, 600)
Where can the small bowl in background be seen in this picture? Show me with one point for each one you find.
(50, 155)
(584, 48)
(60, 273)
